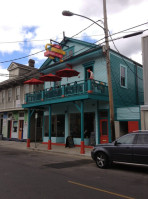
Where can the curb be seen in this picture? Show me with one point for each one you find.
(60, 153)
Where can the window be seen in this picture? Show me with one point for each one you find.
(123, 76)
(104, 127)
(75, 125)
(3, 96)
(142, 139)
(18, 93)
(9, 95)
(104, 114)
(21, 114)
(26, 90)
(127, 139)
(10, 115)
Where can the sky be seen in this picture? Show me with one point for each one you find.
(27, 26)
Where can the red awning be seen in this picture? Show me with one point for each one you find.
(50, 78)
(33, 81)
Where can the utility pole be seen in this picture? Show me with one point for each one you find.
(105, 28)
(111, 103)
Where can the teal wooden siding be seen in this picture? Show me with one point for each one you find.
(126, 96)
(100, 72)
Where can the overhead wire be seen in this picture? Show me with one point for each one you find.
(73, 36)
(82, 48)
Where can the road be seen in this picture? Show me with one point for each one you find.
(36, 175)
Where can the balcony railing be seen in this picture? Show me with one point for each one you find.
(71, 89)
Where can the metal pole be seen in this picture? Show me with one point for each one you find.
(36, 117)
(50, 129)
(82, 128)
(28, 136)
(111, 104)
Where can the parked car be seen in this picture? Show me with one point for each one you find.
(130, 148)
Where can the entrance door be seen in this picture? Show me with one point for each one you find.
(103, 131)
(9, 128)
(1, 126)
(21, 127)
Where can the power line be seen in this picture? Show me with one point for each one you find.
(21, 57)
(122, 57)
(73, 36)
(82, 48)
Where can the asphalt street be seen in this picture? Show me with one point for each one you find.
(30, 174)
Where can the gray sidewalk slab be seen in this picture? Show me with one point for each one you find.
(39, 147)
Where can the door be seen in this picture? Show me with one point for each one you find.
(9, 128)
(103, 131)
(133, 126)
(123, 149)
(1, 126)
(21, 128)
(140, 149)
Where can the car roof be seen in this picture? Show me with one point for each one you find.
(140, 132)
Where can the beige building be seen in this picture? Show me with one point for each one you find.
(13, 118)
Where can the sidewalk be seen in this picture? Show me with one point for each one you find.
(43, 148)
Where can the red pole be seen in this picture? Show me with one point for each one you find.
(28, 142)
(49, 144)
(82, 148)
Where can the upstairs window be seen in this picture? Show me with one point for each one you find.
(26, 88)
(3, 96)
(123, 76)
(18, 93)
(9, 94)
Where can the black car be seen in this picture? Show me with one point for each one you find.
(130, 148)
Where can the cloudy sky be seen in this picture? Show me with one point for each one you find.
(26, 26)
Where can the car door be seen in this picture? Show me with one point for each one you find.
(140, 149)
(123, 149)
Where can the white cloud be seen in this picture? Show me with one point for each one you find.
(49, 23)
(3, 74)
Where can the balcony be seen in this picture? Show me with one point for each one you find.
(69, 92)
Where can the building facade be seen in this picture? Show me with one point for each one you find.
(78, 106)
(13, 118)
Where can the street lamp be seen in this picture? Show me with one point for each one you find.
(105, 28)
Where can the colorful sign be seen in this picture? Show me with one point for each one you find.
(55, 52)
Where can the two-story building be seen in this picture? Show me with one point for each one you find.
(13, 118)
(79, 105)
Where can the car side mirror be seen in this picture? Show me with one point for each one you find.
(116, 143)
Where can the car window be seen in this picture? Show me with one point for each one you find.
(142, 139)
(127, 139)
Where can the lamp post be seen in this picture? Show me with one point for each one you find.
(105, 28)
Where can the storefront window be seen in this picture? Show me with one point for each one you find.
(75, 125)
(46, 126)
(58, 126)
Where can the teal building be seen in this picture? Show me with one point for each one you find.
(78, 106)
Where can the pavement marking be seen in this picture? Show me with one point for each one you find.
(101, 190)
